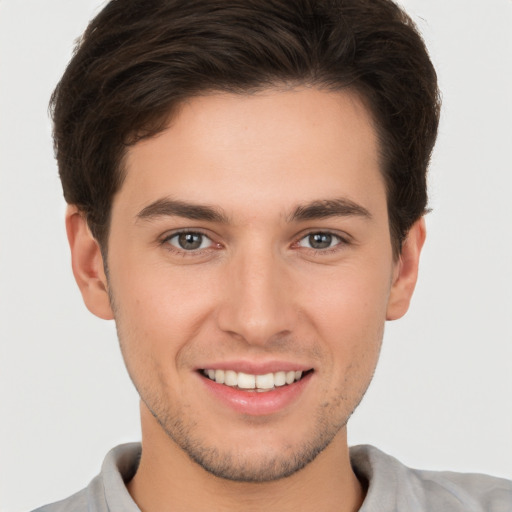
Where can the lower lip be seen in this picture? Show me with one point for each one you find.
(256, 403)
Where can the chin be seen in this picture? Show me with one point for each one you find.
(258, 454)
(263, 466)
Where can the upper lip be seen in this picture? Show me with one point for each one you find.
(254, 367)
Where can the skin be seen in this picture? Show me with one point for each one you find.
(257, 291)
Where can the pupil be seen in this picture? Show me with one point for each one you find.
(190, 240)
(320, 240)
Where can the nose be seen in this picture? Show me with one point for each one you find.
(257, 299)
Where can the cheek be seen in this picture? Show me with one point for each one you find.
(348, 312)
(159, 311)
(349, 297)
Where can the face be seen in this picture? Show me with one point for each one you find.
(250, 274)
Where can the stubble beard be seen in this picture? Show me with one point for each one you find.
(237, 464)
(240, 466)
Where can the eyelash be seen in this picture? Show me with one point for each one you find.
(341, 242)
(183, 252)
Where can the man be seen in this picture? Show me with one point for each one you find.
(246, 187)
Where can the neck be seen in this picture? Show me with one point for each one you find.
(167, 476)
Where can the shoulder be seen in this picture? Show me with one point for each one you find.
(401, 488)
(468, 491)
(107, 491)
(78, 502)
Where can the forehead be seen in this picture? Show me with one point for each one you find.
(273, 147)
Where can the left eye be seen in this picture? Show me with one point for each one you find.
(320, 241)
(189, 241)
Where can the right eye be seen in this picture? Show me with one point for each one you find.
(189, 241)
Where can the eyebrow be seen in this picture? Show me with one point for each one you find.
(166, 207)
(320, 209)
(329, 208)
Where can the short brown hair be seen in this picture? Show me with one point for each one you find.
(139, 59)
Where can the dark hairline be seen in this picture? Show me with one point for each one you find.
(134, 66)
(165, 121)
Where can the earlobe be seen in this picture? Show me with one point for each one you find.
(406, 273)
(87, 264)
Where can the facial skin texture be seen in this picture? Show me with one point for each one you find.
(255, 293)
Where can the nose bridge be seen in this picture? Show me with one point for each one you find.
(256, 304)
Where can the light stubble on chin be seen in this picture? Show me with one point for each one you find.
(242, 466)
(239, 465)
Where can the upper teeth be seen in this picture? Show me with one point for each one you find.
(248, 381)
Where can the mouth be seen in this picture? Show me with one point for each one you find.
(255, 383)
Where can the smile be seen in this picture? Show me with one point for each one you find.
(250, 382)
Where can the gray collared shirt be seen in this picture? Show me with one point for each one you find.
(392, 487)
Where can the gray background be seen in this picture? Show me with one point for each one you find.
(442, 395)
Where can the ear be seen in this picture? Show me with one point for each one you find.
(406, 271)
(87, 264)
